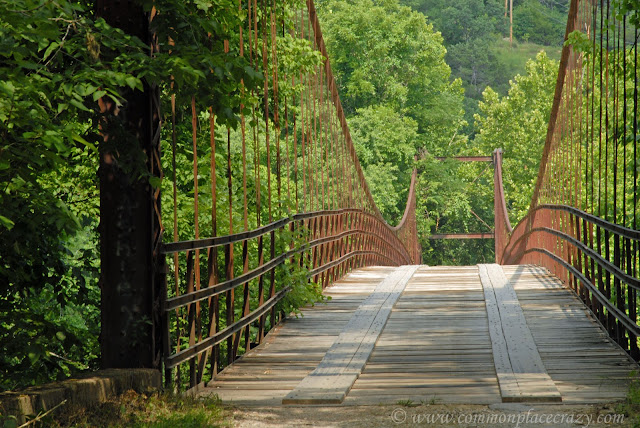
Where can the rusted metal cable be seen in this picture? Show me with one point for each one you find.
(582, 224)
(335, 227)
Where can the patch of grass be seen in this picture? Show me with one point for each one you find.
(145, 411)
(631, 406)
(514, 58)
(406, 403)
(433, 401)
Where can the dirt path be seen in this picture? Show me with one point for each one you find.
(467, 416)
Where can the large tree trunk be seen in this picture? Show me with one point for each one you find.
(128, 224)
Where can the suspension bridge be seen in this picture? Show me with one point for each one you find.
(553, 320)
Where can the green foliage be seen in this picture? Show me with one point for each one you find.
(538, 23)
(474, 34)
(384, 53)
(469, 29)
(630, 8)
(385, 143)
(191, 38)
(517, 123)
(57, 61)
(396, 89)
(467, 21)
(580, 42)
(295, 273)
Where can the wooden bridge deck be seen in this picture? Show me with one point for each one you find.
(439, 345)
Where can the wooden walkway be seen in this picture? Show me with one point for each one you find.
(443, 342)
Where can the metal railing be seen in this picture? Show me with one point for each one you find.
(291, 165)
(583, 220)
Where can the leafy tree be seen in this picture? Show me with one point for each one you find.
(474, 61)
(534, 22)
(396, 89)
(386, 142)
(472, 31)
(469, 20)
(517, 123)
(384, 53)
(57, 61)
(469, 29)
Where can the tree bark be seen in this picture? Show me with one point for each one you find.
(126, 212)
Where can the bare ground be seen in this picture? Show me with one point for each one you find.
(438, 415)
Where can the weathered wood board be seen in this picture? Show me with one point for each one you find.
(330, 382)
(519, 368)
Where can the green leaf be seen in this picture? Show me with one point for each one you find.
(29, 134)
(84, 90)
(203, 4)
(156, 182)
(33, 357)
(81, 140)
(6, 222)
(132, 82)
(98, 94)
(78, 104)
(50, 49)
(7, 87)
(580, 42)
(61, 336)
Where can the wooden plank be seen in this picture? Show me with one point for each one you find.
(504, 370)
(330, 382)
(519, 368)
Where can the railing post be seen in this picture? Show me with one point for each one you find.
(501, 220)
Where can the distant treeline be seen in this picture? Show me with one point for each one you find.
(473, 33)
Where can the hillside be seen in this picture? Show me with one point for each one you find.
(476, 36)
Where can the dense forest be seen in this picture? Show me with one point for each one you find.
(417, 78)
(476, 36)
